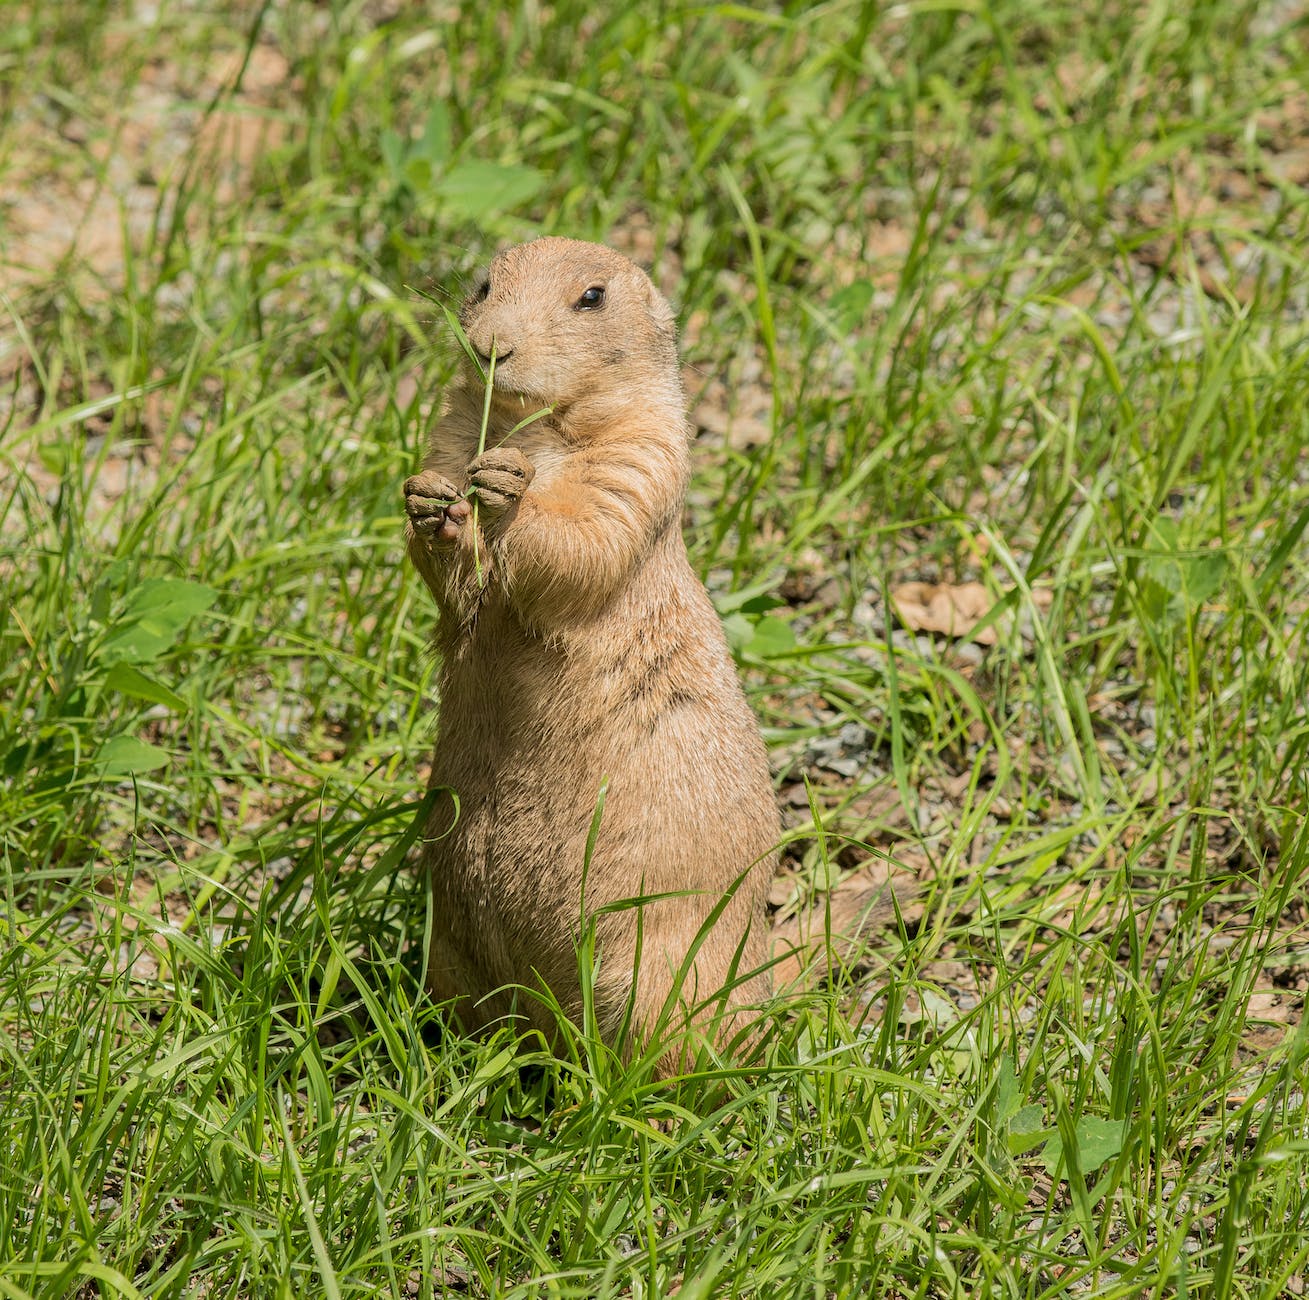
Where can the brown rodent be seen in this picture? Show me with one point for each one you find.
(578, 648)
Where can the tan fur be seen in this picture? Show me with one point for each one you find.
(577, 648)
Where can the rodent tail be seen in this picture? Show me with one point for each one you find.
(833, 933)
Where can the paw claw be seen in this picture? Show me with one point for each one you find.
(499, 477)
(431, 502)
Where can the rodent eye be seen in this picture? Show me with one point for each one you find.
(483, 289)
(594, 297)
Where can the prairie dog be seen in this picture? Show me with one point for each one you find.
(577, 648)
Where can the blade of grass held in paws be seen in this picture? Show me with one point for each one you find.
(487, 376)
(489, 380)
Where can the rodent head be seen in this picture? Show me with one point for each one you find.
(573, 325)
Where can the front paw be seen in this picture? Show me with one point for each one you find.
(435, 507)
(498, 478)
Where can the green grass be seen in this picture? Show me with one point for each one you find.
(1007, 293)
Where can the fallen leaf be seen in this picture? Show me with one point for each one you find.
(952, 609)
(944, 607)
(865, 901)
(1268, 1017)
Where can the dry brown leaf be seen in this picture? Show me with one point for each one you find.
(945, 607)
(1270, 1014)
(954, 609)
(783, 888)
(861, 903)
(1272, 1005)
(881, 807)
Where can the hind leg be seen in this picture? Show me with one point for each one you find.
(715, 998)
(476, 1002)
(450, 978)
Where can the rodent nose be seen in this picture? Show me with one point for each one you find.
(500, 357)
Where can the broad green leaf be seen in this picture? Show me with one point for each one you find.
(1098, 1141)
(1007, 1094)
(1177, 585)
(1026, 1129)
(153, 619)
(173, 596)
(761, 604)
(417, 174)
(738, 629)
(1159, 603)
(475, 190)
(728, 602)
(1202, 576)
(434, 143)
(1166, 532)
(132, 681)
(392, 149)
(55, 457)
(850, 306)
(772, 636)
(126, 755)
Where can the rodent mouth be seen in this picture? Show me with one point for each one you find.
(500, 358)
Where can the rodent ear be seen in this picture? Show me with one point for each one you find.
(660, 312)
